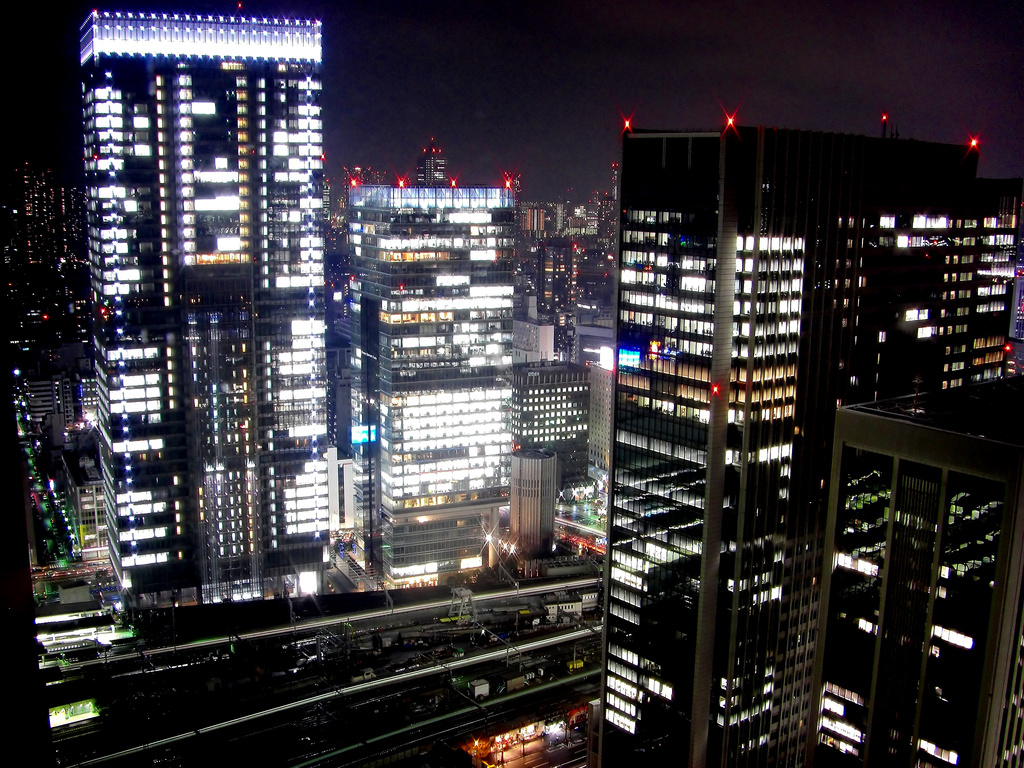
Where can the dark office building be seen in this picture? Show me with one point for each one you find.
(921, 661)
(555, 278)
(765, 277)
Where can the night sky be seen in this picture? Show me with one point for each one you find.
(541, 87)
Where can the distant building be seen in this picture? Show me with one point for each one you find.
(431, 365)
(533, 340)
(592, 343)
(599, 424)
(82, 484)
(432, 167)
(203, 170)
(550, 404)
(533, 219)
(45, 271)
(921, 660)
(555, 280)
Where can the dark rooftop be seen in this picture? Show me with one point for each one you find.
(993, 410)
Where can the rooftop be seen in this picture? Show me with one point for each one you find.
(993, 410)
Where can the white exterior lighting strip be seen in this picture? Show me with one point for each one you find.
(120, 34)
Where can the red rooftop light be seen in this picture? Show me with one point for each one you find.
(730, 121)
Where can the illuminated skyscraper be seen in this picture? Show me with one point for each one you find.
(432, 355)
(766, 276)
(204, 185)
(432, 167)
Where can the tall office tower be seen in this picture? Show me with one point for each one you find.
(431, 367)
(921, 610)
(432, 167)
(766, 276)
(532, 219)
(557, 266)
(203, 172)
(549, 410)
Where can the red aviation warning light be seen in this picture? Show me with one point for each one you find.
(716, 389)
(974, 142)
(730, 120)
(627, 122)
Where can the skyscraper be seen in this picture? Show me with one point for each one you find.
(923, 662)
(432, 167)
(432, 354)
(203, 172)
(766, 276)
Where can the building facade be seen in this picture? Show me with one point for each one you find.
(203, 170)
(762, 273)
(599, 423)
(82, 486)
(550, 410)
(534, 489)
(922, 662)
(431, 374)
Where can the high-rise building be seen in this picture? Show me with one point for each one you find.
(922, 660)
(557, 265)
(431, 370)
(203, 172)
(766, 276)
(432, 167)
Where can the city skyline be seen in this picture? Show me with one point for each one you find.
(543, 91)
(762, 279)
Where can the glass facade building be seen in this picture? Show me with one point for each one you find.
(765, 277)
(203, 163)
(431, 373)
(922, 661)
